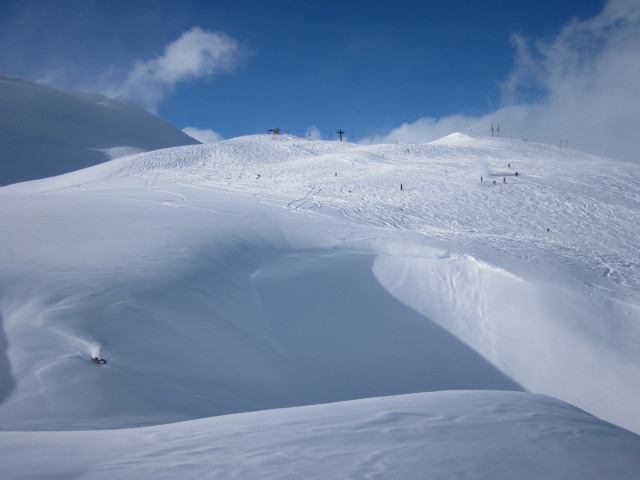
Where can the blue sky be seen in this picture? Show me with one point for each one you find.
(394, 70)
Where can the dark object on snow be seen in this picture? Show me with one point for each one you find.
(98, 360)
(516, 174)
(400, 186)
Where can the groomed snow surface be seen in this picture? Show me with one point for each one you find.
(271, 272)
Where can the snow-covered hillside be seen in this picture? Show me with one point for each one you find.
(441, 435)
(270, 271)
(45, 132)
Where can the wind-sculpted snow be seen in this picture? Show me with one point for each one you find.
(202, 306)
(471, 435)
(270, 271)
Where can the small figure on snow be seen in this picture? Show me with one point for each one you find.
(516, 174)
(504, 179)
(509, 165)
(494, 182)
(400, 187)
(335, 174)
(481, 179)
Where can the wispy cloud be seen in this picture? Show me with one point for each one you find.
(196, 54)
(313, 133)
(580, 85)
(203, 135)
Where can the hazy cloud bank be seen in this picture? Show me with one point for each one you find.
(196, 54)
(580, 85)
(204, 136)
(313, 133)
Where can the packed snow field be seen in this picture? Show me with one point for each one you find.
(579, 198)
(268, 272)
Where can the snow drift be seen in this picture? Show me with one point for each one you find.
(472, 435)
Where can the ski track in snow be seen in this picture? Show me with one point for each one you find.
(442, 196)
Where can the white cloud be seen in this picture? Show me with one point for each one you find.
(580, 85)
(426, 129)
(313, 133)
(204, 136)
(196, 54)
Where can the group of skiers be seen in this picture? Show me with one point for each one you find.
(504, 179)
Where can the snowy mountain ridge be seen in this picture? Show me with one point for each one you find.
(46, 132)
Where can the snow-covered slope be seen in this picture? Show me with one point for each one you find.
(45, 132)
(442, 435)
(271, 271)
